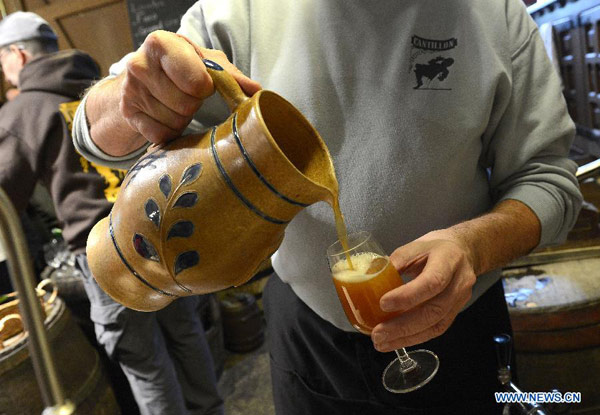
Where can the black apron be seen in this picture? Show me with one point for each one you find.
(318, 369)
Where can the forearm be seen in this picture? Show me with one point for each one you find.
(507, 232)
(108, 129)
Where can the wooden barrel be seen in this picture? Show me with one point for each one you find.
(11, 327)
(254, 285)
(555, 315)
(243, 327)
(80, 372)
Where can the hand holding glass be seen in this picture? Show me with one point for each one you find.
(362, 273)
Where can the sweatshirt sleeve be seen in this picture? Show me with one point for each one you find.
(17, 169)
(82, 140)
(530, 134)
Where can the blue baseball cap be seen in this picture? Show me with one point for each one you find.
(20, 26)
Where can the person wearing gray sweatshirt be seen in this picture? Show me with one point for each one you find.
(449, 136)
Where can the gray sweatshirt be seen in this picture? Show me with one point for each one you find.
(433, 112)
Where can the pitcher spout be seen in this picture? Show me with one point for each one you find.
(309, 164)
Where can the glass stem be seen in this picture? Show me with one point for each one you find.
(406, 363)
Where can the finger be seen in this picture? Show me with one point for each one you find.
(136, 97)
(434, 278)
(409, 255)
(248, 85)
(434, 331)
(413, 268)
(180, 62)
(147, 69)
(427, 315)
(152, 130)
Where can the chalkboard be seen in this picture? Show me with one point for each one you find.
(146, 16)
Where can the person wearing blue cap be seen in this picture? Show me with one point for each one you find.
(164, 354)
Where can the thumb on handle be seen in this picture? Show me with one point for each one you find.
(225, 84)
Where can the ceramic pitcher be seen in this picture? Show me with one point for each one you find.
(202, 212)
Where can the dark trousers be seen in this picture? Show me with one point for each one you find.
(318, 369)
(164, 353)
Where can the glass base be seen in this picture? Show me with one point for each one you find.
(397, 380)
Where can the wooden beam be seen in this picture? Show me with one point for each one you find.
(60, 10)
(62, 34)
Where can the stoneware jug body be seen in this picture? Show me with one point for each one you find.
(202, 212)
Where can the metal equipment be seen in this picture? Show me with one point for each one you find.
(23, 280)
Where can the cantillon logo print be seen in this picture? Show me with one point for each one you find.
(430, 63)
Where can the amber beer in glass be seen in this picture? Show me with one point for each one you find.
(362, 274)
(359, 289)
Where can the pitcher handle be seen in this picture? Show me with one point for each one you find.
(225, 84)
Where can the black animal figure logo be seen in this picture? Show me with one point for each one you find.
(437, 67)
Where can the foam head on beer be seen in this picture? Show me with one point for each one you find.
(366, 266)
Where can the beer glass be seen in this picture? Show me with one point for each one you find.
(362, 273)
